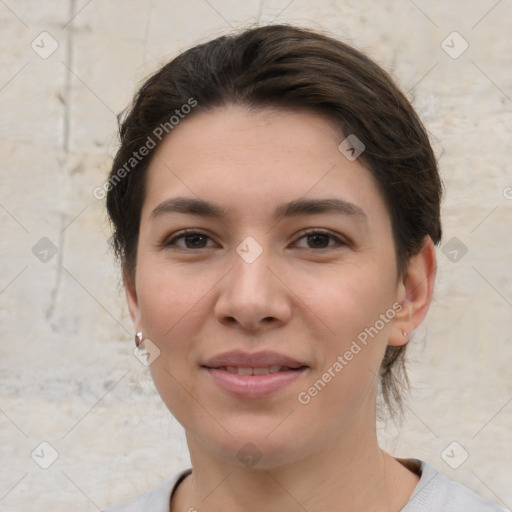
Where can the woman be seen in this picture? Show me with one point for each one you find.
(270, 347)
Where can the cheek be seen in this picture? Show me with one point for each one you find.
(351, 301)
(357, 308)
(345, 382)
(172, 311)
(168, 298)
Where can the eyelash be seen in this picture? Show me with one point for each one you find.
(172, 241)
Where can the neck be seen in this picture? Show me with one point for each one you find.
(351, 474)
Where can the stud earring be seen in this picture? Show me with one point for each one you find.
(138, 339)
(404, 332)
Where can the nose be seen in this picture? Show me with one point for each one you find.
(253, 295)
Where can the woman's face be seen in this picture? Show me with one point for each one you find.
(248, 288)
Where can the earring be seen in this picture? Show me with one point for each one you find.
(404, 332)
(138, 339)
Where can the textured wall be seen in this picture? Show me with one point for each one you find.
(68, 375)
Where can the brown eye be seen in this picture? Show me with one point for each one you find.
(320, 240)
(192, 240)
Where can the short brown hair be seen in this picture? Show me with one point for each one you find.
(291, 67)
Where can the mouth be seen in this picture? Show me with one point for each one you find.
(239, 370)
(259, 375)
(264, 360)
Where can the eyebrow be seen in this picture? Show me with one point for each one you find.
(193, 206)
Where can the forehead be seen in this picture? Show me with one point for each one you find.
(252, 160)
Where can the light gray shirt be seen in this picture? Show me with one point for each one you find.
(434, 493)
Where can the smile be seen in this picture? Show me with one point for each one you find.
(250, 383)
(255, 371)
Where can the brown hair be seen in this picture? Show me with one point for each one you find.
(290, 67)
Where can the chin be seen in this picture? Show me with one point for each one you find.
(255, 448)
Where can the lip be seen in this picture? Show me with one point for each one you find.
(253, 386)
(257, 360)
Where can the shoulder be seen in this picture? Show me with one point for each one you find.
(156, 500)
(436, 491)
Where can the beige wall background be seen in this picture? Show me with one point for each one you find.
(68, 376)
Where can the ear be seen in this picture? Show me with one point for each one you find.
(132, 301)
(414, 294)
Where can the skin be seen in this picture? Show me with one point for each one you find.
(307, 299)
